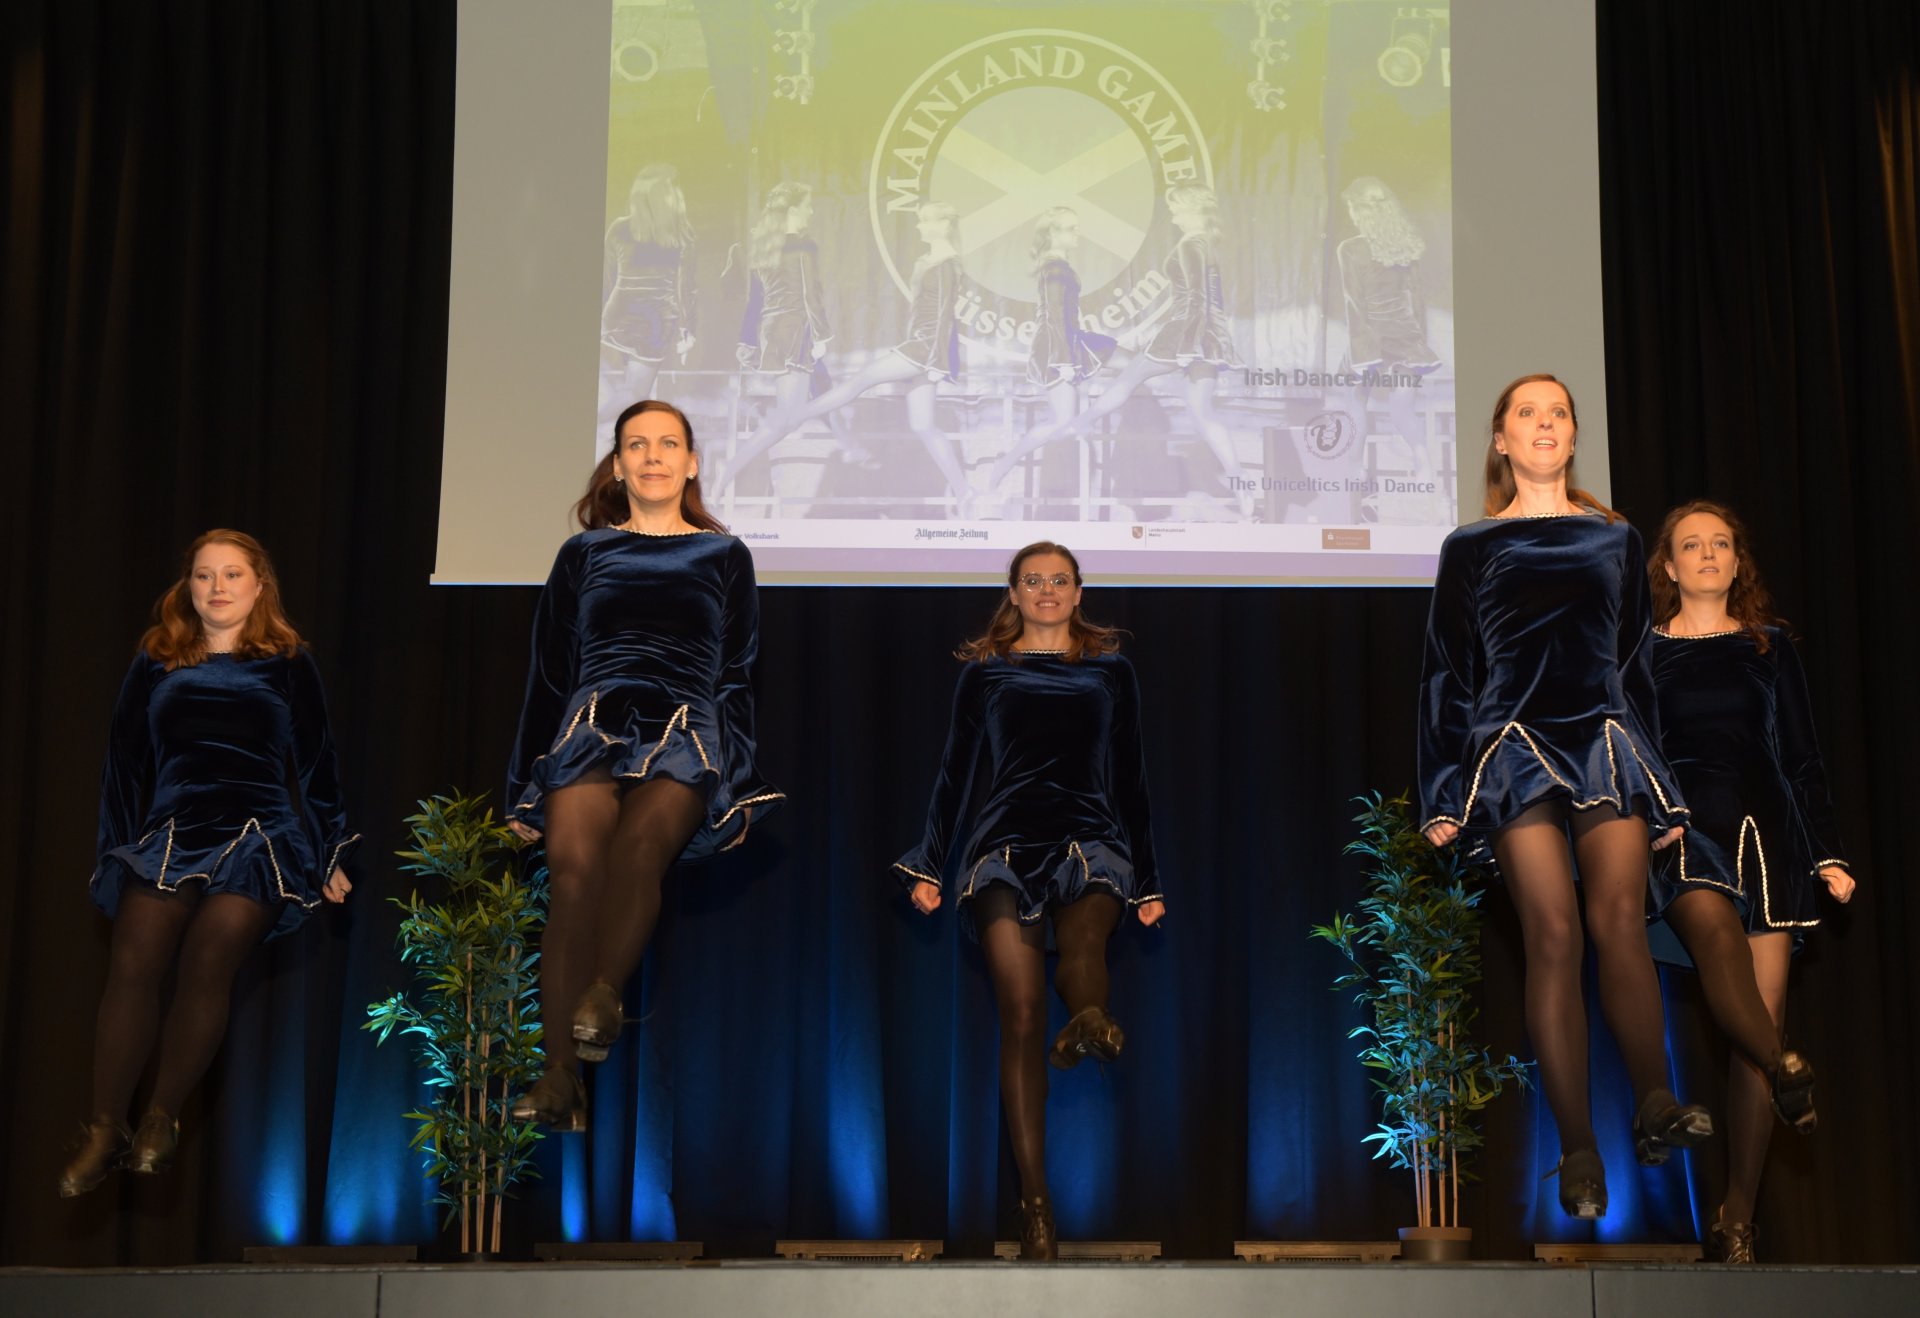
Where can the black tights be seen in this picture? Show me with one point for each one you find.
(1017, 964)
(206, 936)
(1611, 850)
(609, 845)
(1710, 928)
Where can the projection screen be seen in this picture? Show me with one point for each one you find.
(1191, 287)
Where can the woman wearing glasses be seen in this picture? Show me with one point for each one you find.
(1041, 809)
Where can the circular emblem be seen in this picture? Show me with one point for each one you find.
(1011, 126)
(1330, 435)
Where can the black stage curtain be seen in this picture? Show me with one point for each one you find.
(224, 272)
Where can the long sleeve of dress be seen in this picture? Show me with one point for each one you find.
(944, 360)
(316, 767)
(810, 295)
(958, 767)
(1450, 674)
(686, 290)
(1800, 762)
(551, 669)
(750, 321)
(1052, 354)
(126, 781)
(1363, 342)
(740, 785)
(1635, 644)
(1130, 788)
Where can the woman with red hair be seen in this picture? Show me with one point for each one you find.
(202, 851)
(1743, 891)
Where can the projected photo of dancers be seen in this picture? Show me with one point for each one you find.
(1064, 355)
(1387, 325)
(785, 331)
(647, 317)
(1194, 340)
(929, 354)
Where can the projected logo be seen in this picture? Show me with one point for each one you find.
(1014, 126)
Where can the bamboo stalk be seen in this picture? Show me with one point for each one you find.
(1453, 1170)
(467, 1240)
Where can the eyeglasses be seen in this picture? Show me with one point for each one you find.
(1032, 582)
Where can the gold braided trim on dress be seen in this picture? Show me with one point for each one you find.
(1766, 891)
(1074, 852)
(1607, 730)
(761, 799)
(679, 720)
(207, 875)
(913, 873)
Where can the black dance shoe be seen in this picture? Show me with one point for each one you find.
(154, 1144)
(1583, 1184)
(1037, 1241)
(1793, 1093)
(104, 1148)
(596, 1021)
(557, 1099)
(1666, 1124)
(1091, 1033)
(1729, 1242)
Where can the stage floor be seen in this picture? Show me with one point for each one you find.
(959, 1290)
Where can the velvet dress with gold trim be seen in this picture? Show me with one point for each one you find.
(1737, 728)
(643, 650)
(1536, 683)
(195, 784)
(1043, 787)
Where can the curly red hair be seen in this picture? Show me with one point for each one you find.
(176, 638)
(1748, 602)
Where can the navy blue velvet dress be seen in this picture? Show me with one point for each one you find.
(1738, 730)
(195, 785)
(1043, 786)
(1536, 684)
(643, 650)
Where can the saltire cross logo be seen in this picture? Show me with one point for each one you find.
(1013, 125)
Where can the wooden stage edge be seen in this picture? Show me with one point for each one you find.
(959, 1290)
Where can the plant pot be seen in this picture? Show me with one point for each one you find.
(1436, 1244)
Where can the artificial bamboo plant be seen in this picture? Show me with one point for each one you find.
(1413, 947)
(472, 1013)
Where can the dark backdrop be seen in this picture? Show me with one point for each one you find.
(223, 275)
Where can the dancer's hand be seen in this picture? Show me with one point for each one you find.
(1668, 838)
(1442, 833)
(1839, 883)
(525, 832)
(685, 345)
(744, 354)
(819, 349)
(339, 886)
(925, 897)
(1150, 912)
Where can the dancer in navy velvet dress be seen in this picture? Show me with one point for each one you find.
(1743, 887)
(636, 739)
(649, 310)
(202, 853)
(1041, 809)
(1536, 710)
(1064, 354)
(1194, 340)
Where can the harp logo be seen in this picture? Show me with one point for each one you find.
(1014, 126)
